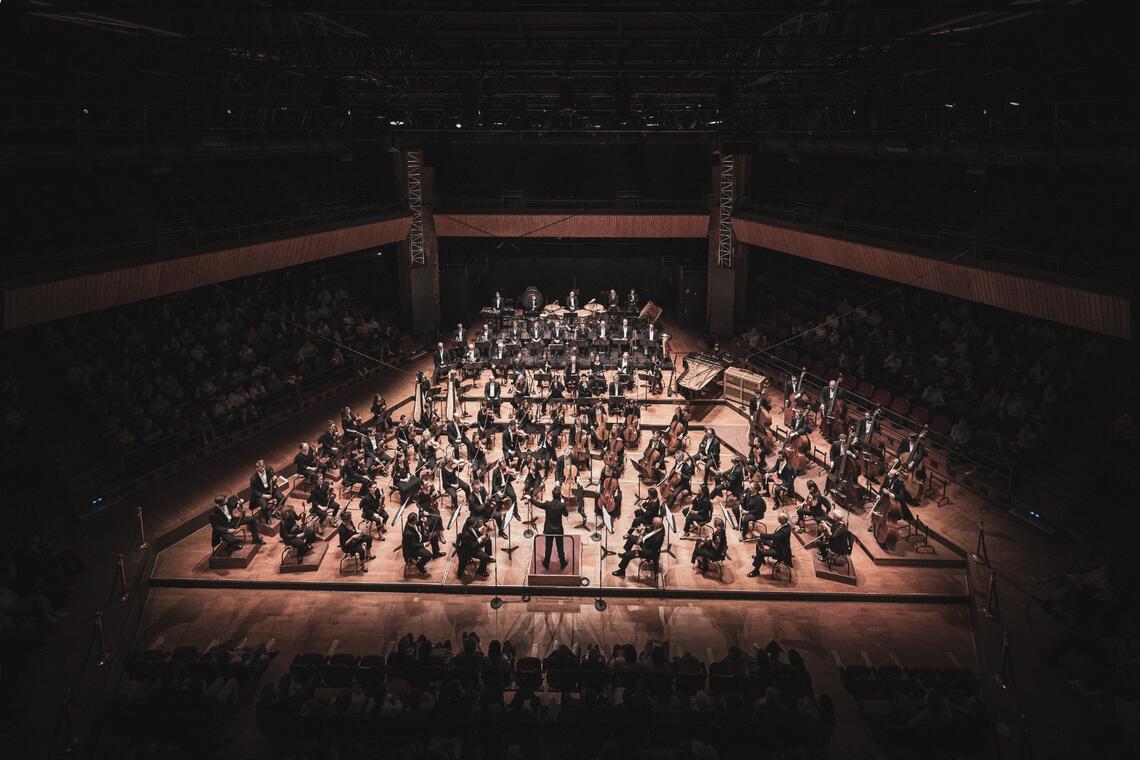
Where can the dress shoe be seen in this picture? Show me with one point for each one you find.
(618, 573)
(258, 542)
(546, 564)
(437, 555)
(753, 573)
(563, 564)
(483, 573)
(371, 556)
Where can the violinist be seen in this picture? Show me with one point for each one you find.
(547, 443)
(502, 476)
(353, 541)
(752, 509)
(783, 472)
(815, 506)
(647, 547)
(350, 421)
(650, 508)
(372, 509)
(699, 512)
(328, 444)
(225, 519)
(413, 544)
(710, 549)
(380, 413)
(374, 455)
(427, 451)
(294, 533)
(431, 522)
(479, 502)
(838, 541)
(405, 436)
(485, 422)
(473, 543)
(354, 471)
(777, 545)
(322, 505)
(263, 491)
(452, 483)
(457, 433)
(512, 440)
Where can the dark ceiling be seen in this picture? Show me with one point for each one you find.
(1038, 75)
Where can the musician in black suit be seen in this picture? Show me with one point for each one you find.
(294, 533)
(405, 435)
(683, 466)
(263, 488)
(439, 358)
(352, 541)
(453, 484)
(649, 510)
(470, 545)
(785, 473)
(614, 299)
(306, 462)
(777, 545)
(372, 507)
(553, 512)
(374, 455)
(354, 472)
(321, 501)
(512, 439)
(631, 301)
(412, 543)
(700, 511)
(493, 393)
(731, 481)
(497, 301)
(224, 523)
(648, 547)
(328, 443)
(711, 549)
(709, 453)
(617, 396)
(752, 508)
(815, 506)
(572, 301)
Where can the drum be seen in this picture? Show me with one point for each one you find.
(552, 308)
(582, 313)
(595, 308)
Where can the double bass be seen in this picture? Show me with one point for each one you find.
(909, 474)
(885, 515)
(833, 420)
(844, 477)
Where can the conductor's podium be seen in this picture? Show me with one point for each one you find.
(556, 575)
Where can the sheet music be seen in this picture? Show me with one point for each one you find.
(608, 521)
(508, 517)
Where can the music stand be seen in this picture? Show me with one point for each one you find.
(608, 521)
(508, 518)
(530, 521)
(671, 523)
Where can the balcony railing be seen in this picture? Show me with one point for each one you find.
(508, 202)
(172, 241)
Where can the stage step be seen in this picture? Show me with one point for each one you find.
(309, 563)
(841, 572)
(220, 559)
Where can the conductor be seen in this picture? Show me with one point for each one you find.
(554, 510)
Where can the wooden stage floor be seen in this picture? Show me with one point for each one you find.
(933, 577)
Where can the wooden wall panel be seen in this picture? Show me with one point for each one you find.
(603, 224)
(1089, 310)
(33, 304)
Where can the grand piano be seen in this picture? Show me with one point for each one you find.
(700, 374)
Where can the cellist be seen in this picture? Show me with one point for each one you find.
(609, 494)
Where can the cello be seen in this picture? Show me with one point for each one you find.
(632, 432)
(601, 431)
(614, 457)
(675, 435)
(607, 495)
(648, 464)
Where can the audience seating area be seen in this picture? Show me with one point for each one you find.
(425, 694)
(170, 375)
(980, 378)
(911, 706)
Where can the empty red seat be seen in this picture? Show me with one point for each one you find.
(882, 397)
(848, 382)
(865, 389)
(900, 406)
(940, 424)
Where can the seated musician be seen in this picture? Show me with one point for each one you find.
(294, 533)
(353, 541)
(556, 332)
(226, 517)
(777, 545)
(839, 541)
(500, 350)
(816, 506)
(572, 368)
(625, 332)
(732, 481)
(439, 358)
(648, 547)
(350, 421)
(711, 549)
(472, 543)
(785, 473)
(840, 450)
(650, 338)
(649, 510)
(263, 490)
(460, 334)
(456, 433)
(656, 377)
(485, 420)
(484, 334)
(374, 455)
(354, 471)
(493, 393)
(512, 439)
(515, 335)
(405, 435)
(603, 330)
(431, 522)
(913, 446)
(625, 370)
(452, 483)
(572, 301)
(801, 425)
(532, 303)
(613, 300)
(328, 444)
(427, 450)
(413, 544)
(699, 512)
(616, 394)
(478, 458)
(479, 501)
(709, 452)
(631, 301)
(379, 411)
(555, 394)
(471, 355)
(306, 462)
(656, 443)
(322, 505)
(752, 509)
(503, 474)
(372, 508)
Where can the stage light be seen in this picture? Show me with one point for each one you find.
(459, 125)
(715, 122)
(1014, 103)
(948, 105)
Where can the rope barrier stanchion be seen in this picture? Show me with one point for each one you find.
(122, 572)
(70, 739)
(599, 602)
(142, 533)
(980, 556)
(990, 610)
(1004, 677)
(104, 655)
